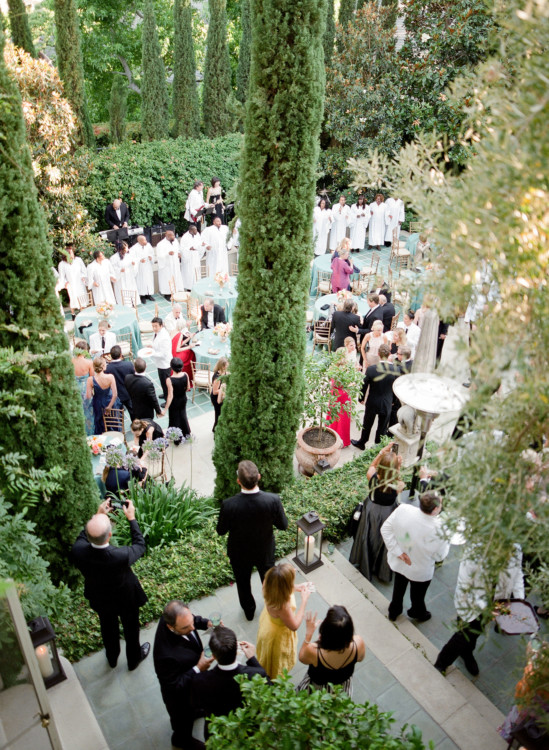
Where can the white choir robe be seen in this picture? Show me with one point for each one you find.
(100, 274)
(192, 252)
(144, 277)
(376, 234)
(394, 213)
(168, 266)
(322, 221)
(360, 220)
(195, 201)
(58, 287)
(341, 216)
(125, 271)
(75, 276)
(217, 257)
(234, 241)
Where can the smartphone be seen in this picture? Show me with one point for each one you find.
(394, 448)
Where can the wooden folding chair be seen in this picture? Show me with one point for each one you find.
(194, 312)
(124, 341)
(415, 227)
(324, 285)
(129, 298)
(177, 297)
(85, 300)
(201, 272)
(145, 326)
(113, 419)
(321, 334)
(403, 261)
(394, 321)
(371, 270)
(234, 269)
(360, 286)
(202, 376)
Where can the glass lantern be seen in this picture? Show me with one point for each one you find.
(309, 542)
(43, 640)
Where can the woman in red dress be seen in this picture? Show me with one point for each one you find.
(342, 422)
(182, 348)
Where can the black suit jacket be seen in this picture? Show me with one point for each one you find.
(174, 658)
(368, 321)
(217, 691)
(380, 378)
(388, 313)
(110, 585)
(340, 325)
(249, 519)
(112, 219)
(143, 395)
(218, 313)
(120, 368)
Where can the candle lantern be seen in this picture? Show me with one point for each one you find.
(43, 640)
(309, 542)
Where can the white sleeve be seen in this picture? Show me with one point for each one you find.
(388, 534)
(61, 271)
(401, 213)
(90, 275)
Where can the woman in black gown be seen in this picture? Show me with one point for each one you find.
(218, 391)
(145, 429)
(178, 384)
(369, 553)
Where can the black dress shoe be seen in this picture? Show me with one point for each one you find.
(358, 445)
(423, 617)
(145, 649)
(470, 664)
(150, 297)
(112, 662)
(250, 614)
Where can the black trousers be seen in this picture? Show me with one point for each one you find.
(128, 404)
(181, 720)
(382, 413)
(217, 409)
(242, 570)
(163, 375)
(111, 635)
(462, 643)
(418, 589)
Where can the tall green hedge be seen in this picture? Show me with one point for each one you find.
(186, 110)
(155, 110)
(243, 68)
(329, 34)
(19, 24)
(30, 319)
(71, 69)
(217, 73)
(284, 110)
(155, 178)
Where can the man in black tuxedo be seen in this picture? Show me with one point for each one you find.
(142, 393)
(211, 314)
(217, 691)
(374, 313)
(388, 311)
(178, 654)
(120, 368)
(380, 378)
(403, 364)
(249, 518)
(342, 320)
(117, 214)
(110, 585)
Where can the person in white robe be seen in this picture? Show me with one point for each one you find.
(376, 231)
(341, 217)
(214, 239)
(360, 218)
(124, 265)
(192, 252)
(322, 221)
(169, 266)
(394, 216)
(144, 277)
(58, 287)
(100, 278)
(73, 277)
(233, 245)
(195, 201)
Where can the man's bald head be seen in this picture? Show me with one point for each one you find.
(98, 529)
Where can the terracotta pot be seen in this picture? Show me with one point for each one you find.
(309, 455)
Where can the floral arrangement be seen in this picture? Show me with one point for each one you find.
(222, 329)
(115, 456)
(221, 278)
(104, 309)
(344, 294)
(155, 448)
(174, 434)
(95, 444)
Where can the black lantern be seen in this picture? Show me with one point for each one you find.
(43, 639)
(308, 551)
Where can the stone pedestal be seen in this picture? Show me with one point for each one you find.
(408, 445)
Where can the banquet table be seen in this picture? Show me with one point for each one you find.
(324, 263)
(331, 299)
(224, 296)
(98, 461)
(208, 340)
(415, 279)
(122, 320)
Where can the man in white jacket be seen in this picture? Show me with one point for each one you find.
(414, 544)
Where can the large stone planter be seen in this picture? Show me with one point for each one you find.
(310, 449)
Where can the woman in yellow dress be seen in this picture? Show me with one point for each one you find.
(279, 621)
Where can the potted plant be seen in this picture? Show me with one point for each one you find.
(325, 377)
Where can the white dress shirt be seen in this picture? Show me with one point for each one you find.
(96, 346)
(162, 349)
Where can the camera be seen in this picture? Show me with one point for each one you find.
(118, 504)
(394, 448)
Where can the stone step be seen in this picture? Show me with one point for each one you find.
(453, 702)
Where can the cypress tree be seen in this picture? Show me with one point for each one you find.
(30, 321)
(71, 69)
(19, 23)
(264, 401)
(186, 110)
(243, 68)
(346, 11)
(329, 34)
(154, 107)
(118, 108)
(217, 73)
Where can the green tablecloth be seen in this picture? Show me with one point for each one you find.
(208, 340)
(122, 320)
(98, 461)
(324, 263)
(411, 243)
(226, 296)
(331, 299)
